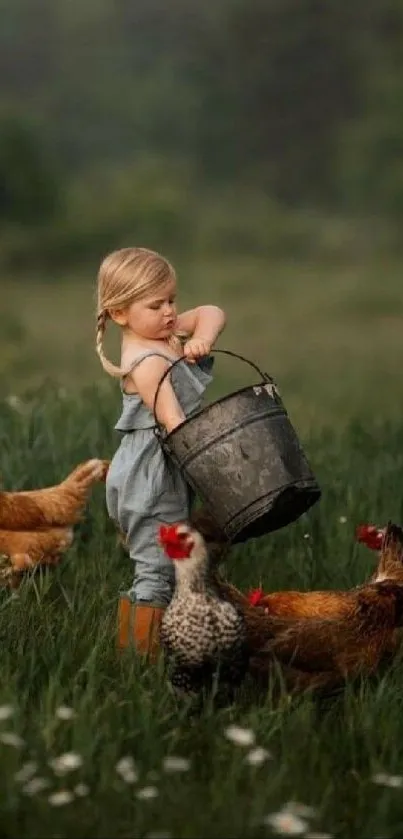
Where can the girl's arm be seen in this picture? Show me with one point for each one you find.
(146, 378)
(203, 325)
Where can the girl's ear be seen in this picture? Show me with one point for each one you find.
(119, 316)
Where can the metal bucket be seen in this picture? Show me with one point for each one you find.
(242, 457)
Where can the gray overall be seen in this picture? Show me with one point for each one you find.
(143, 489)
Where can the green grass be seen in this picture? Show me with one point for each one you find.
(58, 648)
(328, 331)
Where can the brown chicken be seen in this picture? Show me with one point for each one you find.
(23, 551)
(334, 604)
(36, 525)
(323, 652)
(390, 565)
(320, 639)
(55, 506)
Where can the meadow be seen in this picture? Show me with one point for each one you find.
(330, 333)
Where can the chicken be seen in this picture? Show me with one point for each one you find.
(56, 506)
(370, 536)
(322, 638)
(319, 651)
(304, 604)
(344, 647)
(22, 551)
(390, 566)
(36, 525)
(329, 604)
(202, 633)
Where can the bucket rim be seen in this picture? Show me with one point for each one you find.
(207, 408)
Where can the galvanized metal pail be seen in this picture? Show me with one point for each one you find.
(242, 457)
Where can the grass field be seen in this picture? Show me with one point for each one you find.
(330, 332)
(333, 339)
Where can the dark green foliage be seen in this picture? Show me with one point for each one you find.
(303, 98)
(30, 192)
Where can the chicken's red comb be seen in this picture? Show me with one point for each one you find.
(168, 533)
(255, 596)
(370, 535)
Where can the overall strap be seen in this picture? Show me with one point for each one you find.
(141, 358)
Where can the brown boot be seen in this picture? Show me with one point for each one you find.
(138, 626)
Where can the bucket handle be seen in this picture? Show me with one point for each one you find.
(265, 376)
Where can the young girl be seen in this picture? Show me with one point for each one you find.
(137, 290)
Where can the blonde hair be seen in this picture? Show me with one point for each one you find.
(127, 275)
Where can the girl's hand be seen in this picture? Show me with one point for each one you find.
(196, 348)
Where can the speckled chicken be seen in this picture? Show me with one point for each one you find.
(202, 633)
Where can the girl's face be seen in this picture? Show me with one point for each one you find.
(152, 317)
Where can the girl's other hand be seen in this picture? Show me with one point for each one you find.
(196, 348)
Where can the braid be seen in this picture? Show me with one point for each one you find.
(110, 368)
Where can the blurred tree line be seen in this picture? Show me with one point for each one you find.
(301, 98)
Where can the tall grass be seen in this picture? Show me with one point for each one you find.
(58, 649)
(329, 332)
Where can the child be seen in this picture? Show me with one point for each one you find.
(137, 290)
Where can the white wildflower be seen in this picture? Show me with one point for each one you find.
(146, 793)
(67, 762)
(386, 780)
(258, 756)
(26, 772)
(14, 401)
(58, 799)
(307, 535)
(240, 736)
(286, 823)
(35, 785)
(11, 739)
(342, 519)
(6, 711)
(63, 712)
(81, 790)
(127, 770)
(174, 763)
